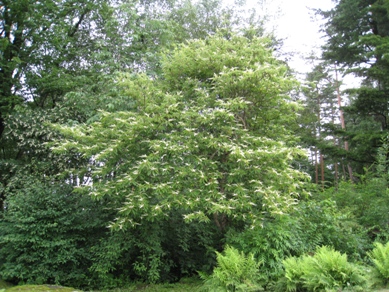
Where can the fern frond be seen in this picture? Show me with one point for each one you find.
(380, 258)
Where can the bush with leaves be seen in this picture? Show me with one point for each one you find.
(320, 222)
(312, 224)
(160, 251)
(234, 272)
(270, 243)
(368, 199)
(326, 270)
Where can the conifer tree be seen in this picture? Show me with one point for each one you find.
(357, 33)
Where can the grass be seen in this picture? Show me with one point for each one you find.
(39, 288)
(182, 286)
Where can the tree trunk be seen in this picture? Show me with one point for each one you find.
(316, 168)
(342, 122)
(322, 169)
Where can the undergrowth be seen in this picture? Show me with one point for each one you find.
(326, 270)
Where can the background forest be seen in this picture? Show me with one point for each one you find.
(157, 140)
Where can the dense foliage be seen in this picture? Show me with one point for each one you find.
(47, 234)
(201, 150)
(196, 148)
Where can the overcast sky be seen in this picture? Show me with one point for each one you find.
(300, 27)
(296, 23)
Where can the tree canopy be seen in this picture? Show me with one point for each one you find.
(211, 138)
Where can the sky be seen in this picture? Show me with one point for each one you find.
(300, 27)
(296, 23)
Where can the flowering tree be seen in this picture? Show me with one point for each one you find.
(212, 138)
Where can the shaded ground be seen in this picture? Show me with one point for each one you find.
(184, 286)
(40, 288)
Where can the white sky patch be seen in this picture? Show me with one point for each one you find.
(295, 22)
(300, 28)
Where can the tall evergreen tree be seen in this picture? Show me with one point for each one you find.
(358, 38)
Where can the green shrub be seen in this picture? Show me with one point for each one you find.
(46, 234)
(368, 199)
(312, 224)
(234, 272)
(380, 258)
(326, 270)
(324, 223)
(269, 244)
(163, 251)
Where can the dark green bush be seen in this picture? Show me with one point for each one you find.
(160, 251)
(46, 234)
(51, 234)
(312, 224)
(321, 222)
(368, 201)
